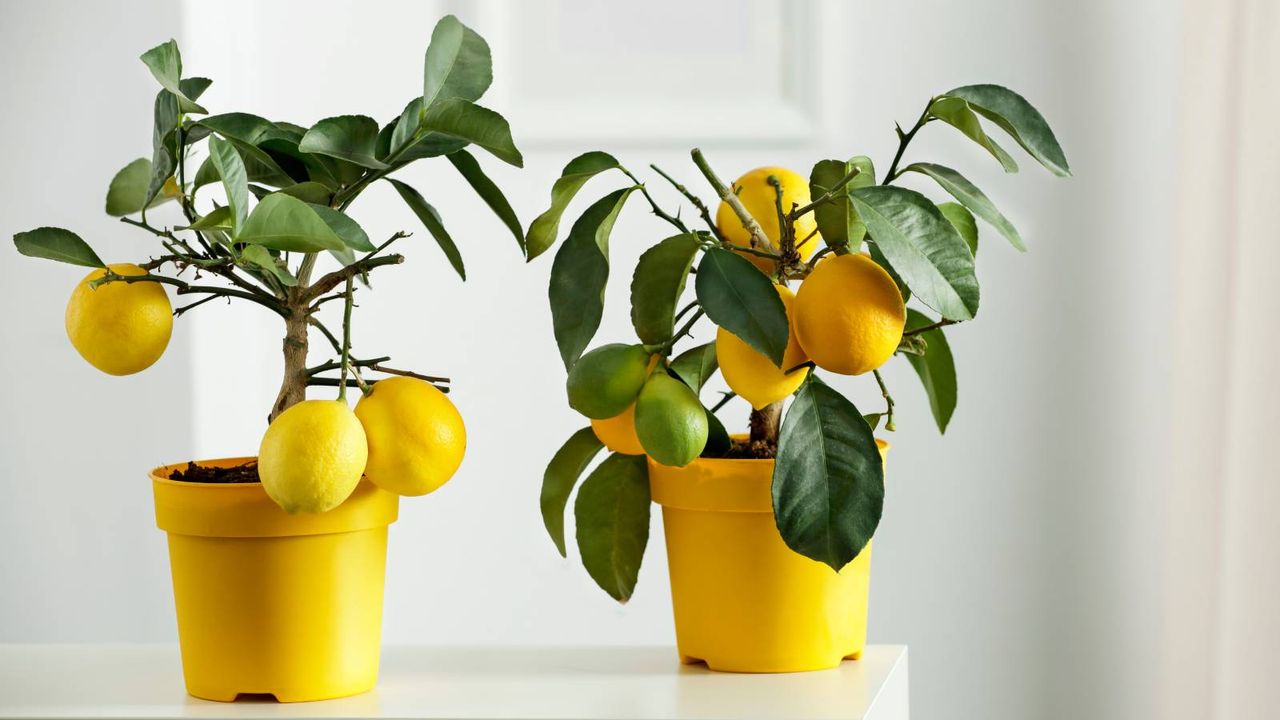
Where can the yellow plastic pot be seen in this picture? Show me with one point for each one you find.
(743, 600)
(272, 603)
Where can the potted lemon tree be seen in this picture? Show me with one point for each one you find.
(278, 561)
(768, 532)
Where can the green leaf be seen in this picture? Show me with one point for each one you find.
(218, 219)
(1020, 119)
(235, 180)
(718, 441)
(457, 64)
(561, 475)
(828, 479)
(964, 223)
(936, 368)
(310, 192)
(470, 170)
(53, 243)
(657, 284)
(543, 229)
(464, 120)
(874, 251)
(579, 274)
(971, 197)
(741, 299)
(696, 365)
(873, 420)
(282, 222)
(353, 138)
(128, 190)
(612, 514)
(353, 236)
(262, 258)
(410, 141)
(245, 127)
(956, 112)
(922, 246)
(431, 220)
(837, 222)
(165, 63)
(162, 153)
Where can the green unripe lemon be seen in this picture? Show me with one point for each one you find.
(605, 381)
(670, 422)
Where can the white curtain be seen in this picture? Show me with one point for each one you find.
(1222, 626)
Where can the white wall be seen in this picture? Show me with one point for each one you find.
(1014, 556)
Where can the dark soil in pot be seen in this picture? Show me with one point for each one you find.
(196, 473)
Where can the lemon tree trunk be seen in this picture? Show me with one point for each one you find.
(765, 424)
(293, 386)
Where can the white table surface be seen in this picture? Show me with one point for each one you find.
(638, 683)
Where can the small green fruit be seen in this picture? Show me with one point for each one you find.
(604, 382)
(670, 422)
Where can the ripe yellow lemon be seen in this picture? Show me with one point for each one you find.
(416, 436)
(312, 456)
(849, 314)
(120, 328)
(671, 423)
(752, 375)
(759, 198)
(618, 433)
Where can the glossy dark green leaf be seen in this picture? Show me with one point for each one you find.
(431, 220)
(874, 251)
(163, 153)
(492, 196)
(579, 274)
(612, 515)
(353, 138)
(457, 64)
(543, 229)
(964, 223)
(261, 258)
(936, 368)
(53, 243)
(219, 218)
(310, 192)
(828, 479)
(956, 112)
(245, 127)
(128, 190)
(235, 180)
(561, 476)
(165, 63)
(837, 221)
(353, 236)
(922, 246)
(281, 222)
(741, 299)
(464, 120)
(657, 284)
(1020, 119)
(411, 141)
(718, 441)
(696, 365)
(971, 197)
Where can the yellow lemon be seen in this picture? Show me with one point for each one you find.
(312, 456)
(849, 314)
(759, 198)
(416, 436)
(752, 375)
(120, 328)
(618, 433)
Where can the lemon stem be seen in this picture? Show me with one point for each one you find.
(695, 200)
(888, 401)
(346, 340)
(758, 239)
(904, 139)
